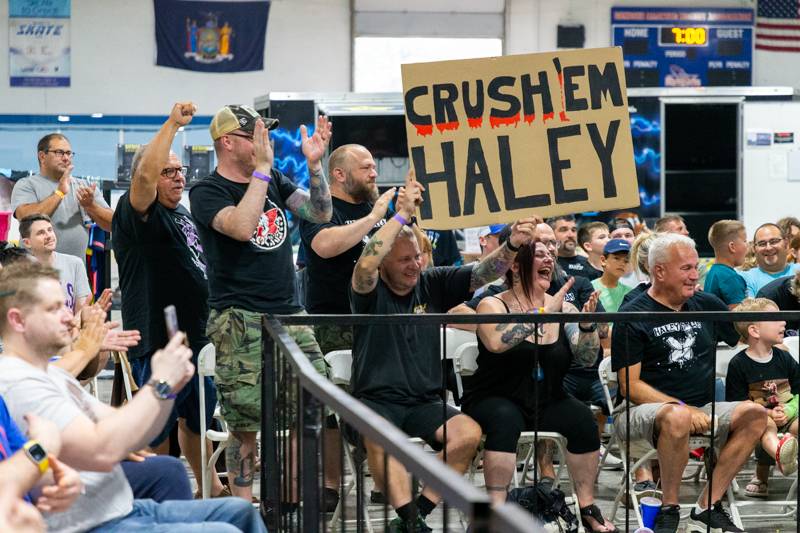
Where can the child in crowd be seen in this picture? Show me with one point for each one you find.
(770, 377)
(616, 257)
(592, 237)
(729, 240)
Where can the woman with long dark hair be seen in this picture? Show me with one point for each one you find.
(518, 384)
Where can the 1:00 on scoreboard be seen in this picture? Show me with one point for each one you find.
(683, 36)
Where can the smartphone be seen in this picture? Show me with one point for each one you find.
(171, 319)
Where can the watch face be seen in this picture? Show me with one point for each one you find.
(38, 453)
(163, 389)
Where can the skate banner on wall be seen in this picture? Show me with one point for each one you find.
(211, 36)
(39, 43)
(493, 140)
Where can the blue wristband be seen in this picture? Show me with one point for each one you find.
(398, 217)
(262, 177)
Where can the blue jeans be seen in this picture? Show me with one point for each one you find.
(158, 478)
(222, 515)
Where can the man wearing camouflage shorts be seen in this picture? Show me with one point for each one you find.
(240, 213)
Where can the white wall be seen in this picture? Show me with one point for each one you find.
(114, 71)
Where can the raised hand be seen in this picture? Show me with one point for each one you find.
(182, 113)
(104, 302)
(556, 303)
(66, 488)
(314, 147)
(44, 431)
(93, 331)
(120, 340)
(382, 203)
(66, 179)
(523, 231)
(85, 195)
(173, 363)
(262, 148)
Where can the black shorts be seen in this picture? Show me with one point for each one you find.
(420, 420)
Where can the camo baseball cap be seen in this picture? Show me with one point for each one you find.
(237, 117)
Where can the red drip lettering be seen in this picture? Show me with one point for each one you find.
(424, 130)
(563, 116)
(530, 118)
(496, 122)
(475, 122)
(547, 116)
(446, 126)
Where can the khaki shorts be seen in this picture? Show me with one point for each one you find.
(236, 334)
(643, 423)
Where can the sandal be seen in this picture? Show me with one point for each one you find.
(756, 488)
(593, 512)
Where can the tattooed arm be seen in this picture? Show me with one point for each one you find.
(365, 273)
(499, 261)
(499, 338)
(314, 205)
(584, 344)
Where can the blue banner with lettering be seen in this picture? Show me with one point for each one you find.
(39, 43)
(211, 36)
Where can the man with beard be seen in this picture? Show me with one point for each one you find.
(771, 249)
(332, 251)
(568, 258)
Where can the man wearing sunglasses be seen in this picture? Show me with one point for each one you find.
(70, 203)
(161, 263)
(771, 249)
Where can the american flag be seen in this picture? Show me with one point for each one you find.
(778, 25)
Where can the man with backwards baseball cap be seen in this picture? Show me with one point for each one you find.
(240, 212)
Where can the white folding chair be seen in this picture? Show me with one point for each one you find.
(206, 366)
(793, 343)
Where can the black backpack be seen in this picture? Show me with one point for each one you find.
(548, 504)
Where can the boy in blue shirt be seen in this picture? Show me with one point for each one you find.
(729, 240)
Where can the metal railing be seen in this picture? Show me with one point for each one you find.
(293, 452)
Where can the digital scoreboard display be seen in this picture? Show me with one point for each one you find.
(684, 47)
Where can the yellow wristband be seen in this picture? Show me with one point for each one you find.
(59, 194)
(37, 455)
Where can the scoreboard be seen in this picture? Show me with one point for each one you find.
(684, 47)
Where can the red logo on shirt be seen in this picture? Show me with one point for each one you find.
(271, 230)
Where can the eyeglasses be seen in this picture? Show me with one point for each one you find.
(61, 153)
(550, 244)
(772, 242)
(248, 137)
(171, 171)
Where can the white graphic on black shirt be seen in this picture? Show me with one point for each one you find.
(681, 346)
(271, 230)
(192, 241)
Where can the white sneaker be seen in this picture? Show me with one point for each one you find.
(612, 462)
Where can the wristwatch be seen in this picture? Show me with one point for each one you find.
(162, 389)
(37, 455)
(589, 329)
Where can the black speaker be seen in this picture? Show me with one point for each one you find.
(573, 36)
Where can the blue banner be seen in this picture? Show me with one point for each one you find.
(211, 36)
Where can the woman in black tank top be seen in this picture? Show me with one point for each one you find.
(518, 384)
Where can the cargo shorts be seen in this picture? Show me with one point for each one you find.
(236, 334)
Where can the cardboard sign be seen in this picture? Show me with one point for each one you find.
(496, 139)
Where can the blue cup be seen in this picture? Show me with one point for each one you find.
(649, 507)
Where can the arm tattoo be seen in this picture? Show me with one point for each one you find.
(513, 334)
(315, 205)
(585, 345)
(372, 247)
(492, 267)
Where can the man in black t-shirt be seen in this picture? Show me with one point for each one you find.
(666, 370)
(397, 369)
(785, 292)
(240, 211)
(568, 257)
(161, 263)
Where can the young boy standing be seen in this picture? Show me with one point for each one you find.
(769, 377)
(592, 237)
(615, 260)
(729, 240)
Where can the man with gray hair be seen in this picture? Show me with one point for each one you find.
(666, 371)
(161, 263)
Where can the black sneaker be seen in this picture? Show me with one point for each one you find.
(717, 517)
(330, 499)
(667, 519)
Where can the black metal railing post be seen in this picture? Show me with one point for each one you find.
(270, 472)
(309, 444)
